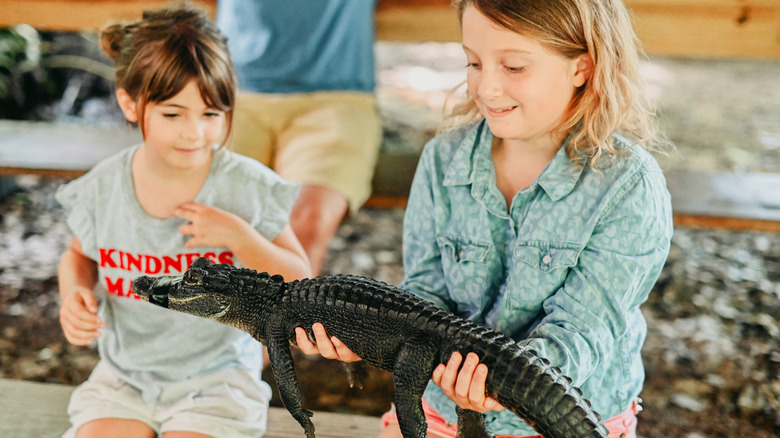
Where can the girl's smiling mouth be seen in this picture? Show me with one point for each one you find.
(188, 150)
(500, 112)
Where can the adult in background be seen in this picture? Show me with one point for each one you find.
(306, 105)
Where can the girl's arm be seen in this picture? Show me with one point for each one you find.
(77, 275)
(213, 227)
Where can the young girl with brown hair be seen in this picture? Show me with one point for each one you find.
(153, 209)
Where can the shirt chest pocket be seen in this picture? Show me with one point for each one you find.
(465, 266)
(547, 257)
(538, 271)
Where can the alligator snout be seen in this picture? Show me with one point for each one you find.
(155, 290)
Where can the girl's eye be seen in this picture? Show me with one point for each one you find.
(170, 115)
(212, 114)
(515, 69)
(474, 65)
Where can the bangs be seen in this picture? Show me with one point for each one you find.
(177, 66)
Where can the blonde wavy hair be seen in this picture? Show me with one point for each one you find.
(612, 100)
(157, 56)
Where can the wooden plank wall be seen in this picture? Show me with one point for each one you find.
(684, 28)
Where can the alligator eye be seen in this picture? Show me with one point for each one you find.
(192, 278)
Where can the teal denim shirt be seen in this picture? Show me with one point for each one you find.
(564, 270)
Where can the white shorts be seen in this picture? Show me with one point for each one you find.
(226, 403)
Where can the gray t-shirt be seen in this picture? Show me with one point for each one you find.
(147, 346)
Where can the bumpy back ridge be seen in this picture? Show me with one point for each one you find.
(518, 378)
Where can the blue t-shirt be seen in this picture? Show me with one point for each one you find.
(564, 269)
(292, 46)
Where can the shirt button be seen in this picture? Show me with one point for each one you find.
(547, 259)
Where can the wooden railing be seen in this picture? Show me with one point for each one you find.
(688, 28)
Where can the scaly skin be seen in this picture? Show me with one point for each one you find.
(390, 329)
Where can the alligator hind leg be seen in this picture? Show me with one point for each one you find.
(413, 368)
(471, 424)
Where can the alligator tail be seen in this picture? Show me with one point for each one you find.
(530, 387)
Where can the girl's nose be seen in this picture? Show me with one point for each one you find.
(489, 84)
(193, 130)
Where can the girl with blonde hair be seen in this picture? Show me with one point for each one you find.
(539, 211)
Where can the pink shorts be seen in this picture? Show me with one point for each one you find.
(620, 426)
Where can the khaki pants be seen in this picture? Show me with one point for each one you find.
(328, 139)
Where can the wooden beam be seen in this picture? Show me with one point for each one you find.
(685, 28)
(417, 20)
(79, 15)
(725, 223)
(709, 28)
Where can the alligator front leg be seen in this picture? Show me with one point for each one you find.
(356, 373)
(284, 373)
(413, 368)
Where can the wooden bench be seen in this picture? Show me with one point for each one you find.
(38, 410)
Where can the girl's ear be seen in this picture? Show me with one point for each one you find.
(583, 69)
(127, 105)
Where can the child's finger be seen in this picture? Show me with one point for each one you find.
(450, 374)
(477, 389)
(304, 343)
(437, 373)
(89, 300)
(188, 212)
(187, 229)
(465, 376)
(324, 344)
(343, 352)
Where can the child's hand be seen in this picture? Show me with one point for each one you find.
(467, 387)
(210, 226)
(78, 316)
(329, 348)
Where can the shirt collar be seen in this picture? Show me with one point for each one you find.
(561, 174)
(468, 162)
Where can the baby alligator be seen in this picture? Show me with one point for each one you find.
(387, 327)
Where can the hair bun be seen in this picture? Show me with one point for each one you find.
(112, 38)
